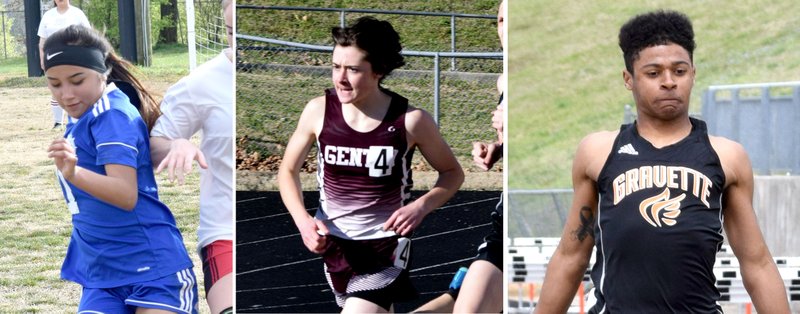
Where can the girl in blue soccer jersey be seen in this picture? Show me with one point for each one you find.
(125, 249)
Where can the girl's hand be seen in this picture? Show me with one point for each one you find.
(64, 156)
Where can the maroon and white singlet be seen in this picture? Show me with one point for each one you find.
(363, 176)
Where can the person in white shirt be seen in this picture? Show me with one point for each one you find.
(203, 101)
(59, 17)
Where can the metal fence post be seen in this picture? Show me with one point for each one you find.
(629, 116)
(436, 73)
(341, 18)
(452, 41)
(765, 142)
(736, 115)
(796, 102)
(706, 109)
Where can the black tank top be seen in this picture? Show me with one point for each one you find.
(659, 225)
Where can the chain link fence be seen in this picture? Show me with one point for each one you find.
(12, 28)
(537, 213)
(276, 79)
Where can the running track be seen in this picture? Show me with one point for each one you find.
(276, 273)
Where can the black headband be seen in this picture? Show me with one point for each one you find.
(75, 55)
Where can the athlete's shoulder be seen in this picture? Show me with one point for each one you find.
(733, 159)
(219, 67)
(311, 119)
(112, 100)
(418, 120)
(725, 146)
(600, 140)
(593, 152)
(47, 18)
(728, 150)
(417, 113)
(316, 104)
(209, 84)
(75, 10)
(50, 12)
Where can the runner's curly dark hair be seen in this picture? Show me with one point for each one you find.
(375, 37)
(653, 29)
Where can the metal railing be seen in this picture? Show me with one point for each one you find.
(277, 76)
(433, 54)
(763, 117)
(275, 81)
(344, 11)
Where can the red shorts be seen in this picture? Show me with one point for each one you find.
(217, 261)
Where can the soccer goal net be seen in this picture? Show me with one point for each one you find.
(206, 30)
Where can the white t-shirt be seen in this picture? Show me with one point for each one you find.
(203, 100)
(52, 21)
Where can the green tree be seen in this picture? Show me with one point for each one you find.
(103, 15)
(170, 16)
(167, 18)
(8, 41)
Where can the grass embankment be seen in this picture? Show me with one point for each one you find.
(565, 70)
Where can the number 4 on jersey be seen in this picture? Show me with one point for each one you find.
(380, 160)
(402, 252)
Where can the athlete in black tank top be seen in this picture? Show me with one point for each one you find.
(659, 225)
(651, 197)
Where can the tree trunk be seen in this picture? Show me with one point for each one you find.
(169, 11)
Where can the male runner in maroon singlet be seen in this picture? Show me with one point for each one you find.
(366, 136)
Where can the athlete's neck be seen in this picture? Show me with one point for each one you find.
(62, 8)
(366, 115)
(662, 133)
(376, 102)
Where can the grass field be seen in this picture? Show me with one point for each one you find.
(35, 222)
(565, 69)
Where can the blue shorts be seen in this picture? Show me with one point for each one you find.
(176, 293)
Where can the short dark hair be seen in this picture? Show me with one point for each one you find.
(652, 29)
(377, 38)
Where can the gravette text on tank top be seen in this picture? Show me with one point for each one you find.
(675, 177)
(379, 159)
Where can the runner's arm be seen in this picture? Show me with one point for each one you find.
(424, 133)
(570, 260)
(759, 272)
(289, 175)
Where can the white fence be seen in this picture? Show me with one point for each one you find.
(762, 117)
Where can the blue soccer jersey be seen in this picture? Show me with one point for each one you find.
(110, 246)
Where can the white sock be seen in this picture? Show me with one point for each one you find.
(58, 114)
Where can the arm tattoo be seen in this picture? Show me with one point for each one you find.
(586, 227)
